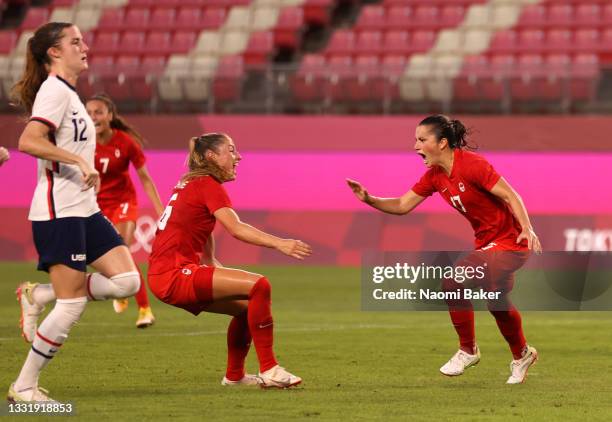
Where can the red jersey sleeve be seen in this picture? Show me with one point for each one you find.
(136, 155)
(425, 186)
(483, 174)
(214, 195)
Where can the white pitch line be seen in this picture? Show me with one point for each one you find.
(220, 332)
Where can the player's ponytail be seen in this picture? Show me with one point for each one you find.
(118, 122)
(37, 64)
(451, 129)
(197, 162)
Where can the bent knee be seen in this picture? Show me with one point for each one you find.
(128, 283)
(261, 287)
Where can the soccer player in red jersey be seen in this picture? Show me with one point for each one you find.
(118, 144)
(503, 233)
(184, 272)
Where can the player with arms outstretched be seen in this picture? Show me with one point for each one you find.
(184, 272)
(117, 145)
(503, 233)
(69, 230)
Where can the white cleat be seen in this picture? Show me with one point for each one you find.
(30, 310)
(248, 379)
(30, 394)
(520, 367)
(278, 377)
(120, 305)
(460, 362)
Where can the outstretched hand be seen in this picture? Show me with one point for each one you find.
(360, 192)
(294, 248)
(533, 243)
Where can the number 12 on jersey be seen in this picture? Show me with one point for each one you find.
(456, 200)
(163, 220)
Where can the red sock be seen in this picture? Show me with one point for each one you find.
(462, 315)
(238, 344)
(510, 325)
(463, 321)
(261, 324)
(142, 299)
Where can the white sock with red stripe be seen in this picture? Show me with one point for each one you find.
(51, 334)
(117, 287)
(43, 294)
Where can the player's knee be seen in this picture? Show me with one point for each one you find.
(71, 311)
(128, 283)
(262, 287)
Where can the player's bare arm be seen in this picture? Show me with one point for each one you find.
(35, 141)
(247, 233)
(504, 191)
(4, 155)
(208, 254)
(150, 189)
(398, 206)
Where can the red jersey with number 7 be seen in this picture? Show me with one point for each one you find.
(186, 224)
(468, 190)
(112, 162)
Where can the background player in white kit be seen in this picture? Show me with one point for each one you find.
(69, 230)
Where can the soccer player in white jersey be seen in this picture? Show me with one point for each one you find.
(68, 229)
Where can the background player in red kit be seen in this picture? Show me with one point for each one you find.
(118, 144)
(503, 232)
(184, 272)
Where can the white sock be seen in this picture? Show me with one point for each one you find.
(43, 294)
(117, 287)
(51, 334)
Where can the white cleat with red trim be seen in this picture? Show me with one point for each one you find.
(460, 362)
(520, 367)
(30, 310)
(247, 379)
(278, 377)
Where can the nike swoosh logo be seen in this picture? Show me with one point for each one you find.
(444, 190)
(74, 113)
(264, 326)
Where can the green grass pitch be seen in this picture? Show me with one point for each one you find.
(356, 365)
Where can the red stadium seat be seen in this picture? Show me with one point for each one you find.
(366, 74)
(423, 40)
(154, 65)
(399, 18)
(106, 43)
(8, 39)
(588, 15)
(531, 40)
(397, 43)
(35, 17)
(162, 19)
(228, 79)
(466, 86)
(533, 16)
(317, 12)
(183, 41)
(524, 82)
(340, 69)
(136, 19)
(128, 65)
(426, 17)
(132, 42)
(213, 18)
(102, 65)
(393, 67)
(369, 43)
(307, 84)
(342, 42)
(584, 75)
(606, 17)
(158, 42)
(111, 20)
(558, 40)
(451, 16)
(287, 32)
(560, 15)
(372, 18)
(504, 42)
(259, 47)
(586, 40)
(188, 18)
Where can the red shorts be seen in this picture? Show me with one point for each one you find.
(189, 287)
(120, 213)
